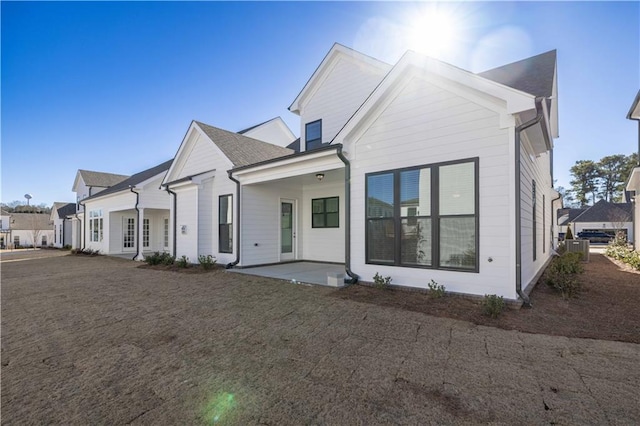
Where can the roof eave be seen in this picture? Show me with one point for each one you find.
(634, 111)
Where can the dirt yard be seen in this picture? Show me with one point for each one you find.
(607, 308)
(97, 340)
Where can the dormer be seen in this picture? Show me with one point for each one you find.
(341, 83)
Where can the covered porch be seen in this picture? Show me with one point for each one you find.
(138, 232)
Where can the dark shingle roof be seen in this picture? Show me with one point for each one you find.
(570, 214)
(134, 180)
(295, 145)
(100, 179)
(29, 221)
(603, 211)
(533, 75)
(242, 150)
(67, 210)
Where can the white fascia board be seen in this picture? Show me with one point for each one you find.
(181, 148)
(122, 192)
(198, 179)
(285, 162)
(140, 186)
(633, 184)
(325, 67)
(287, 169)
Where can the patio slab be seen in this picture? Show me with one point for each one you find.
(300, 272)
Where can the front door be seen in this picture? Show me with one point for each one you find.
(287, 230)
(128, 234)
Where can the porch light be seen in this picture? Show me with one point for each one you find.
(319, 176)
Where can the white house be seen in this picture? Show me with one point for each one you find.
(131, 216)
(417, 171)
(29, 230)
(274, 131)
(204, 208)
(5, 219)
(86, 184)
(633, 184)
(606, 217)
(61, 217)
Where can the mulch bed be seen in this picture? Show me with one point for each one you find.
(606, 308)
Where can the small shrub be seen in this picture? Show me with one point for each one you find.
(183, 262)
(624, 254)
(67, 247)
(381, 282)
(158, 258)
(207, 262)
(569, 234)
(493, 305)
(436, 290)
(562, 274)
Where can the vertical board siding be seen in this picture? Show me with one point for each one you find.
(337, 98)
(425, 124)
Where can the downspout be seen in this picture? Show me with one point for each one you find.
(64, 219)
(175, 219)
(347, 223)
(235, 262)
(554, 220)
(519, 129)
(83, 237)
(137, 221)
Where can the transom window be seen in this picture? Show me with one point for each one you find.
(313, 135)
(325, 212)
(95, 225)
(424, 216)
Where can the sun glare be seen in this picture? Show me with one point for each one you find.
(432, 32)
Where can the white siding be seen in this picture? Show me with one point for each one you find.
(425, 124)
(123, 201)
(200, 155)
(187, 216)
(261, 223)
(274, 131)
(205, 219)
(152, 197)
(338, 96)
(322, 244)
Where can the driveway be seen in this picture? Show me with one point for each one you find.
(100, 341)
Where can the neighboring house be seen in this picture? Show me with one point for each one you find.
(30, 230)
(204, 209)
(61, 217)
(274, 131)
(565, 217)
(603, 216)
(86, 184)
(633, 184)
(409, 170)
(5, 229)
(131, 216)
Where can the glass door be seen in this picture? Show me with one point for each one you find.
(287, 230)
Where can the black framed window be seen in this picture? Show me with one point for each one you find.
(325, 212)
(424, 216)
(313, 135)
(225, 223)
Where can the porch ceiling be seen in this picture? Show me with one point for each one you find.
(330, 177)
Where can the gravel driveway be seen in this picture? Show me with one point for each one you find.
(100, 341)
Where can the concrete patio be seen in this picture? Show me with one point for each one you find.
(300, 272)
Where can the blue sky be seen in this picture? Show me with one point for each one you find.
(113, 86)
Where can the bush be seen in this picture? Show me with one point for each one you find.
(183, 262)
(562, 274)
(493, 305)
(85, 252)
(67, 247)
(381, 282)
(436, 290)
(158, 258)
(624, 254)
(207, 262)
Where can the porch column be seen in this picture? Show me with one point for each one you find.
(140, 238)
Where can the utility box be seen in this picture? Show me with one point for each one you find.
(578, 246)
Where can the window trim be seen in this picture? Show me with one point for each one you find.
(306, 138)
(96, 233)
(435, 215)
(230, 242)
(324, 212)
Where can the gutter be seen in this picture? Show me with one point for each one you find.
(175, 218)
(235, 262)
(138, 223)
(347, 223)
(519, 129)
(556, 216)
(83, 238)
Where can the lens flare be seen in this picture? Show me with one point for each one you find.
(219, 407)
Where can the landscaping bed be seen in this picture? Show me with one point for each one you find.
(606, 307)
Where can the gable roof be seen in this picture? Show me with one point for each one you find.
(336, 50)
(29, 221)
(100, 179)
(295, 145)
(566, 216)
(243, 131)
(604, 211)
(532, 75)
(634, 111)
(67, 210)
(134, 180)
(242, 150)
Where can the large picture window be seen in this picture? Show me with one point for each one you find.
(325, 212)
(424, 216)
(313, 135)
(225, 223)
(95, 225)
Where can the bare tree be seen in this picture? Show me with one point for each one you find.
(618, 218)
(36, 232)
